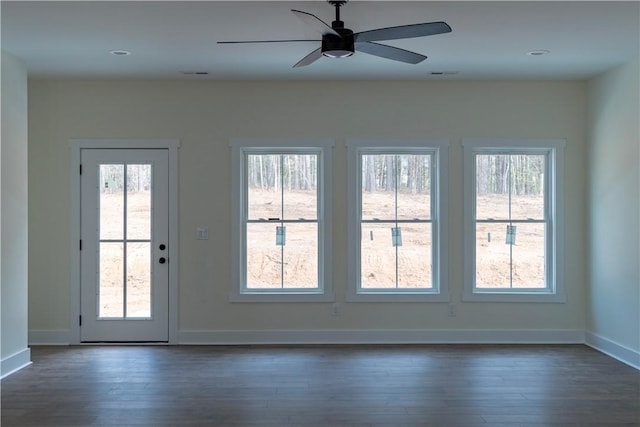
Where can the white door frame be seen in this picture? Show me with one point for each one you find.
(76, 145)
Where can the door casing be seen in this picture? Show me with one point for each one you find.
(77, 145)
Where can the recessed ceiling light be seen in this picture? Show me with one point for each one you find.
(120, 52)
(538, 52)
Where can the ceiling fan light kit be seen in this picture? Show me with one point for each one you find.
(340, 42)
(338, 46)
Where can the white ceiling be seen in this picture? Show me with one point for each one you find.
(490, 40)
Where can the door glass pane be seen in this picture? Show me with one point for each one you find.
(264, 257)
(264, 195)
(378, 187)
(527, 186)
(138, 279)
(301, 256)
(300, 186)
(110, 287)
(414, 186)
(528, 256)
(414, 256)
(377, 257)
(111, 183)
(139, 202)
(492, 186)
(493, 256)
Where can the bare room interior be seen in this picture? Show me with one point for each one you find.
(329, 213)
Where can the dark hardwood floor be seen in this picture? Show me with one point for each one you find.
(434, 385)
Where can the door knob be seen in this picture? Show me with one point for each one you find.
(162, 247)
(162, 260)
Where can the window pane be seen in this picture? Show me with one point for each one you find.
(300, 186)
(111, 284)
(378, 187)
(139, 202)
(492, 186)
(413, 178)
(264, 257)
(111, 202)
(527, 186)
(264, 186)
(301, 256)
(493, 256)
(414, 256)
(138, 279)
(377, 257)
(528, 256)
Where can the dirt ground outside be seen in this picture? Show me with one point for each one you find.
(113, 277)
(294, 265)
(380, 260)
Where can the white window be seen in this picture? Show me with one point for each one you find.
(281, 220)
(513, 220)
(397, 247)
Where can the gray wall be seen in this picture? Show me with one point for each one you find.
(205, 115)
(613, 318)
(13, 213)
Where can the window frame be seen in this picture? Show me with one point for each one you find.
(553, 186)
(438, 148)
(240, 149)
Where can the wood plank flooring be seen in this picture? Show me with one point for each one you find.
(417, 385)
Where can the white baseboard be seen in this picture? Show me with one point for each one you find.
(52, 337)
(611, 348)
(352, 336)
(15, 362)
(561, 336)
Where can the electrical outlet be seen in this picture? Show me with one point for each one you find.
(453, 311)
(335, 309)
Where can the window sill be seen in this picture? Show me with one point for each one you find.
(402, 297)
(282, 297)
(533, 297)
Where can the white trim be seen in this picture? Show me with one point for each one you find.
(74, 226)
(516, 297)
(396, 296)
(76, 145)
(268, 143)
(393, 144)
(555, 193)
(611, 348)
(291, 297)
(174, 242)
(15, 362)
(106, 143)
(49, 337)
(439, 148)
(321, 146)
(520, 143)
(388, 336)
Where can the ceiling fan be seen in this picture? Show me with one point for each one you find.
(340, 42)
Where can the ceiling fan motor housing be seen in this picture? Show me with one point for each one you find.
(338, 47)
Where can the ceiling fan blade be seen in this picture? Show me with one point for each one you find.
(268, 41)
(310, 58)
(390, 52)
(315, 22)
(403, 32)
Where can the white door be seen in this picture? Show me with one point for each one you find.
(124, 231)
